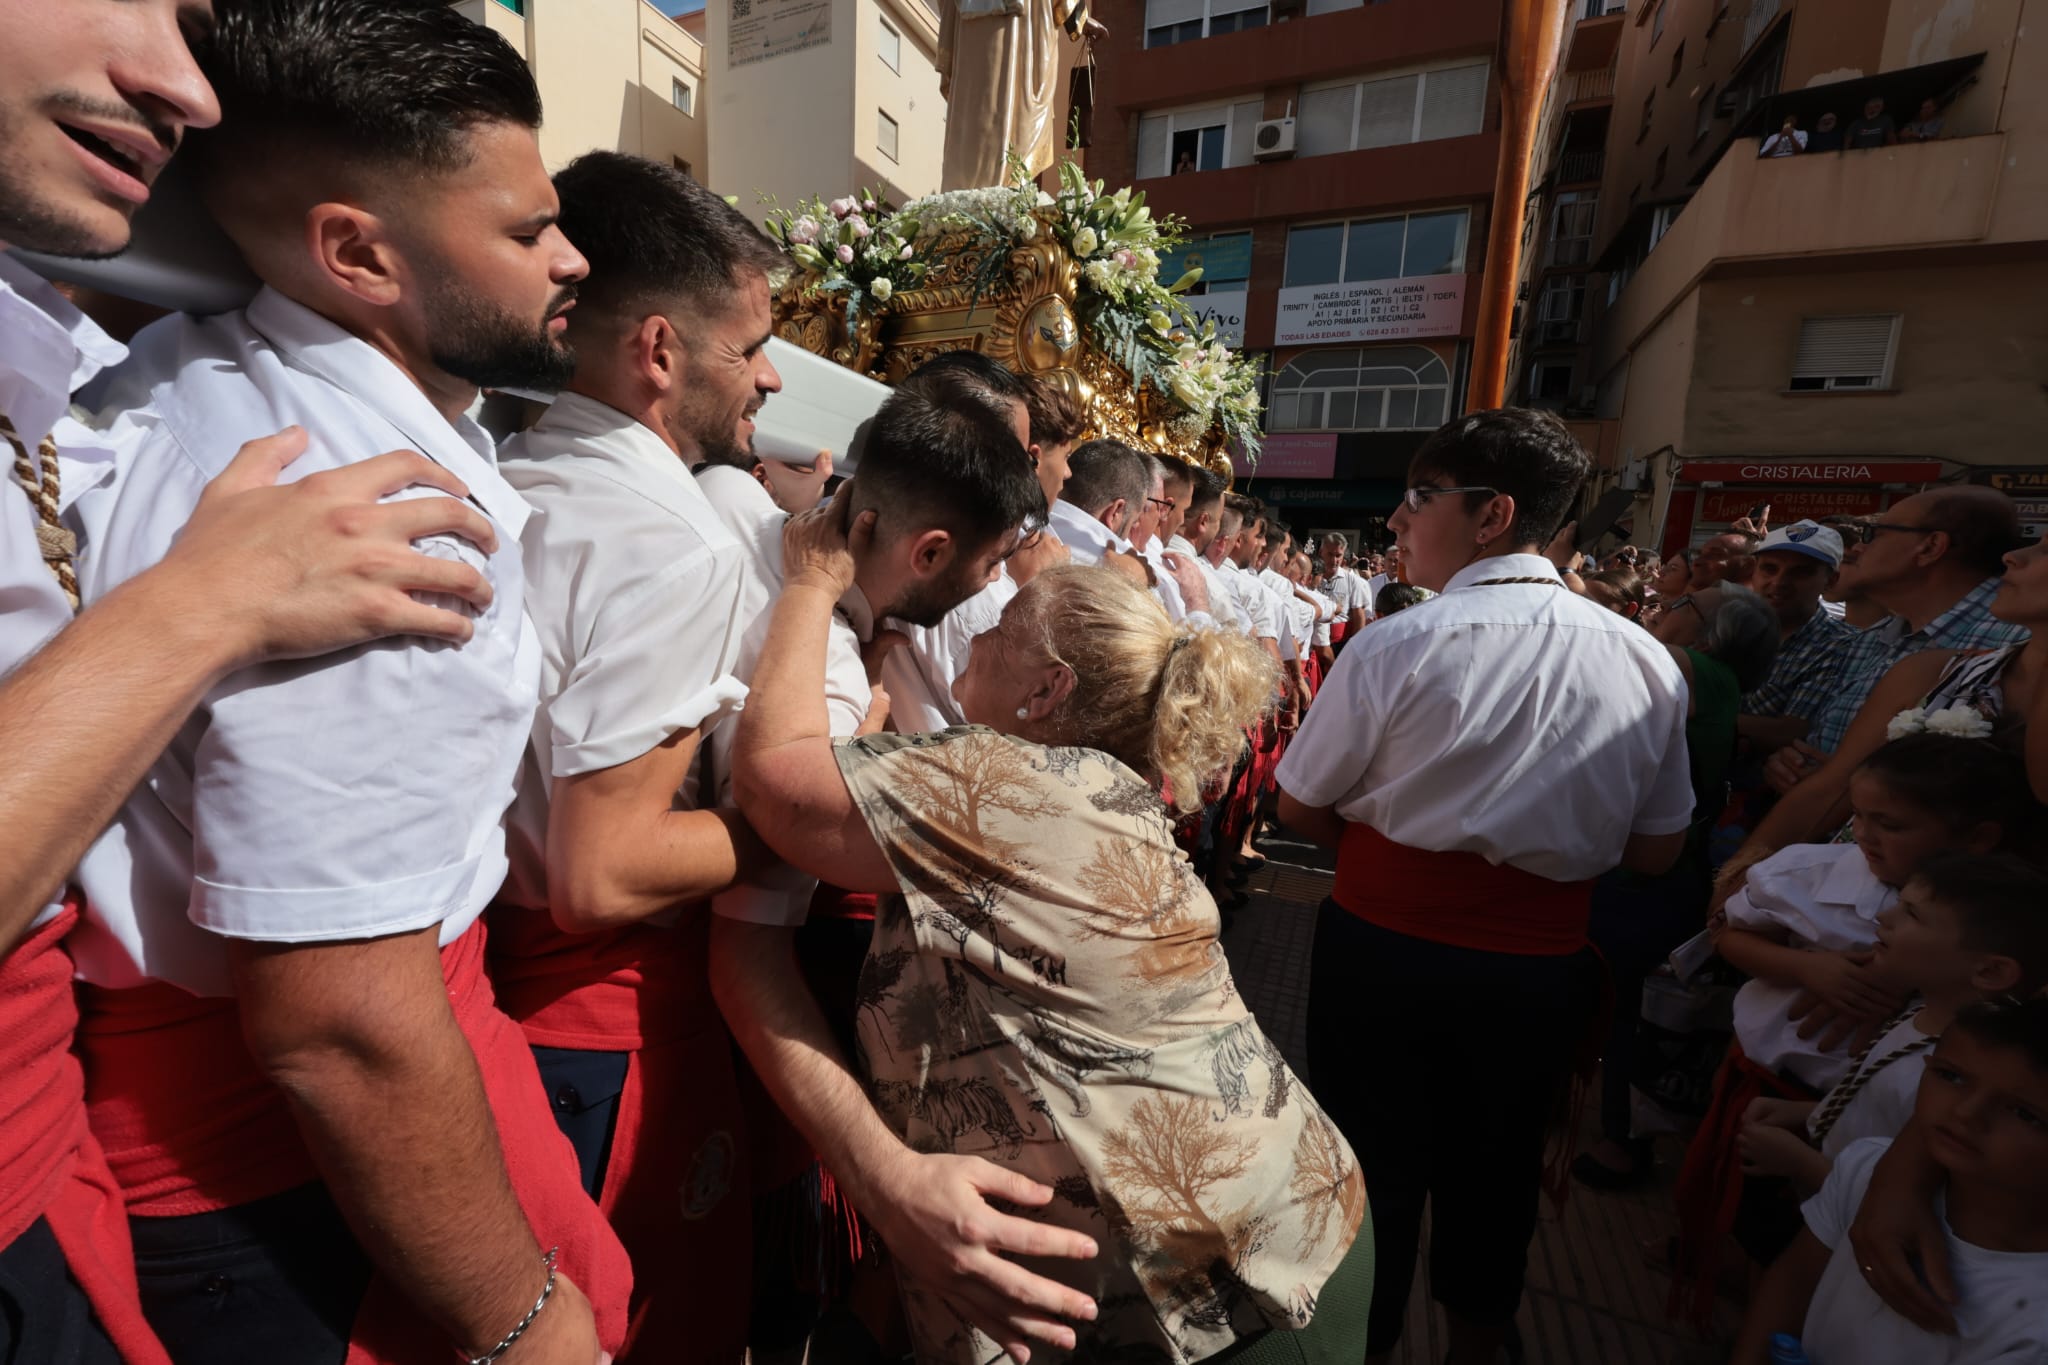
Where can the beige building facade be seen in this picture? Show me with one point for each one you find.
(1824, 331)
(613, 74)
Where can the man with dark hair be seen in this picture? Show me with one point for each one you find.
(633, 584)
(1201, 525)
(1477, 762)
(942, 494)
(293, 1058)
(1058, 422)
(94, 99)
(1106, 486)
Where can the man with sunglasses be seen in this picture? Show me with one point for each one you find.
(1933, 561)
(1477, 762)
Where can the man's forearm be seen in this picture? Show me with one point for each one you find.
(782, 1030)
(82, 721)
(388, 1094)
(1771, 733)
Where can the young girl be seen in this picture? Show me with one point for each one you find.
(1803, 927)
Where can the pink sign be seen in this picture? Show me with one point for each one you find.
(1294, 455)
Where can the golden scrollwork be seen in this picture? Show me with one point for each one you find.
(1024, 315)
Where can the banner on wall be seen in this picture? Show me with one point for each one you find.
(1371, 310)
(761, 29)
(1226, 311)
(1295, 455)
(1218, 258)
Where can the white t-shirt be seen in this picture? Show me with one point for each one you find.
(1086, 538)
(1884, 1101)
(1372, 592)
(1781, 144)
(47, 350)
(2002, 1318)
(782, 895)
(1519, 722)
(633, 585)
(358, 795)
(1819, 896)
(736, 496)
(919, 679)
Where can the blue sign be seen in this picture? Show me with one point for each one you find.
(1226, 258)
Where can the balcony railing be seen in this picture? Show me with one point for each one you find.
(1761, 12)
(1581, 86)
(1574, 167)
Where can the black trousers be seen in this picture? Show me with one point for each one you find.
(278, 1281)
(1443, 1067)
(584, 1088)
(45, 1318)
(1636, 923)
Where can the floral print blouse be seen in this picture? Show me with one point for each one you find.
(1048, 993)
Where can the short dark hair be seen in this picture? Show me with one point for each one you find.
(1965, 782)
(1056, 415)
(390, 83)
(1207, 490)
(956, 466)
(1178, 472)
(1101, 471)
(1983, 525)
(1276, 535)
(971, 367)
(655, 239)
(2018, 1024)
(1398, 597)
(2000, 902)
(1526, 454)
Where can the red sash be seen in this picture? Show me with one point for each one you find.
(1458, 898)
(175, 1155)
(50, 1167)
(676, 1184)
(1338, 629)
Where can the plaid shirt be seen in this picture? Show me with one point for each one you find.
(1867, 656)
(1803, 674)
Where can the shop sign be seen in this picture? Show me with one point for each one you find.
(1327, 495)
(1371, 310)
(1225, 310)
(1224, 257)
(2019, 480)
(1291, 456)
(1809, 471)
(1787, 505)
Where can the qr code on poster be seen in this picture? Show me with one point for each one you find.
(742, 8)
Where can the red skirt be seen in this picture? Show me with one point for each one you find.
(50, 1166)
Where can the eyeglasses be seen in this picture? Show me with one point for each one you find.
(1685, 600)
(1863, 532)
(1167, 503)
(1414, 498)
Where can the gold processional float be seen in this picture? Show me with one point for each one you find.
(1062, 286)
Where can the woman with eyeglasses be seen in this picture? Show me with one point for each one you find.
(1477, 762)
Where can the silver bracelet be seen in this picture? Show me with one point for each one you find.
(547, 1291)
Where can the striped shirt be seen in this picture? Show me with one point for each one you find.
(1866, 658)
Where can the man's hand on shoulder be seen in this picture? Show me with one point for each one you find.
(301, 569)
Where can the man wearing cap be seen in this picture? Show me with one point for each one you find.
(1794, 566)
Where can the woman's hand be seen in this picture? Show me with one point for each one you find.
(823, 545)
(1768, 1112)
(1900, 1244)
(1766, 1150)
(1845, 983)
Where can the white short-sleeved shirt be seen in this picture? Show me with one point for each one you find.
(1518, 722)
(361, 794)
(1372, 591)
(47, 350)
(2001, 1317)
(736, 496)
(1257, 603)
(1817, 896)
(919, 678)
(1884, 1099)
(782, 896)
(1223, 612)
(1086, 538)
(633, 585)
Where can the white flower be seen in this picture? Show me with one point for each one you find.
(1085, 242)
(881, 289)
(1911, 721)
(841, 207)
(904, 254)
(845, 254)
(1960, 721)
(1027, 230)
(1043, 201)
(804, 229)
(859, 225)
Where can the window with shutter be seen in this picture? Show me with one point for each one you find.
(1386, 111)
(1322, 124)
(1453, 102)
(1172, 21)
(1152, 140)
(1846, 352)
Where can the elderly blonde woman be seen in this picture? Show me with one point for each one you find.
(1045, 989)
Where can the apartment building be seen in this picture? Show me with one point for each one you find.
(1336, 163)
(1823, 331)
(615, 74)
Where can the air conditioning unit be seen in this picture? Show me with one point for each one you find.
(1274, 140)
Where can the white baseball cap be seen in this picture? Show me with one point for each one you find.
(1806, 538)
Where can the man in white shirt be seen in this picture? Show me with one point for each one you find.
(599, 940)
(1106, 486)
(300, 873)
(1342, 585)
(943, 494)
(94, 102)
(1477, 761)
(1200, 528)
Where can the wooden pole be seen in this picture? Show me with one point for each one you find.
(1530, 30)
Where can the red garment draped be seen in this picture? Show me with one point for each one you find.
(1458, 898)
(50, 1166)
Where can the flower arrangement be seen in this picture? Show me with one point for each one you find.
(859, 245)
(1958, 720)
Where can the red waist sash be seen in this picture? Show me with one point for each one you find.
(1458, 898)
(612, 991)
(50, 1167)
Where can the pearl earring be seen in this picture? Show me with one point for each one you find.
(1023, 713)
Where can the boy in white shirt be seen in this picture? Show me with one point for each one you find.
(1983, 1105)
